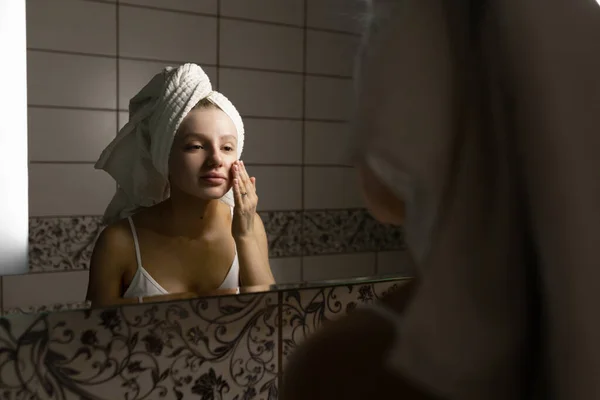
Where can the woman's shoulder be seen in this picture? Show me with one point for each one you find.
(116, 236)
(114, 249)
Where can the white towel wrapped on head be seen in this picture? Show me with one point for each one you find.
(138, 158)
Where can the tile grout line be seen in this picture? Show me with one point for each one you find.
(206, 65)
(101, 1)
(118, 62)
(264, 117)
(249, 164)
(303, 137)
(118, 75)
(218, 46)
(240, 19)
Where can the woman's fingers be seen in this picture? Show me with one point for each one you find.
(237, 175)
(244, 187)
(237, 193)
(247, 181)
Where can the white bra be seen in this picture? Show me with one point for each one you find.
(143, 285)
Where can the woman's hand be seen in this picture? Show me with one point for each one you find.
(248, 231)
(244, 193)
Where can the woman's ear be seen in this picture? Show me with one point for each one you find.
(380, 201)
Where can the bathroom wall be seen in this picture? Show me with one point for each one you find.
(287, 66)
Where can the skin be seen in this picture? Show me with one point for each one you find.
(355, 345)
(380, 201)
(188, 242)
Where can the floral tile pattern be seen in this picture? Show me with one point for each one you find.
(347, 231)
(66, 243)
(229, 347)
(216, 348)
(284, 232)
(62, 243)
(46, 309)
(305, 311)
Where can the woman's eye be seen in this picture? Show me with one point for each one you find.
(228, 148)
(193, 147)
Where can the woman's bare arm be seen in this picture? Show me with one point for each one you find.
(253, 255)
(110, 258)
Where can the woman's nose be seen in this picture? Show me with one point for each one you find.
(215, 157)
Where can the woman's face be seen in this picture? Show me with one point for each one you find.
(203, 151)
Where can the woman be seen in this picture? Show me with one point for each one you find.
(183, 220)
(479, 124)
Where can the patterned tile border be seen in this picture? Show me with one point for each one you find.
(66, 243)
(284, 231)
(62, 243)
(207, 348)
(304, 312)
(230, 347)
(82, 305)
(347, 231)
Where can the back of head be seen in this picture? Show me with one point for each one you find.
(404, 106)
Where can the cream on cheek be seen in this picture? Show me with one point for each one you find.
(229, 171)
(228, 164)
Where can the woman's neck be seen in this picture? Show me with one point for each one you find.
(186, 215)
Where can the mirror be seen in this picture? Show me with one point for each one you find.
(286, 67)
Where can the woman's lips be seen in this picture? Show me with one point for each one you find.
(213, 180)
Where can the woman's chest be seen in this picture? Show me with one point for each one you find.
(187, 265)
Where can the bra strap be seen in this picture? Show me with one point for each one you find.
(136, 242)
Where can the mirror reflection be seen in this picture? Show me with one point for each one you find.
(185, 202)
(143, 115)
